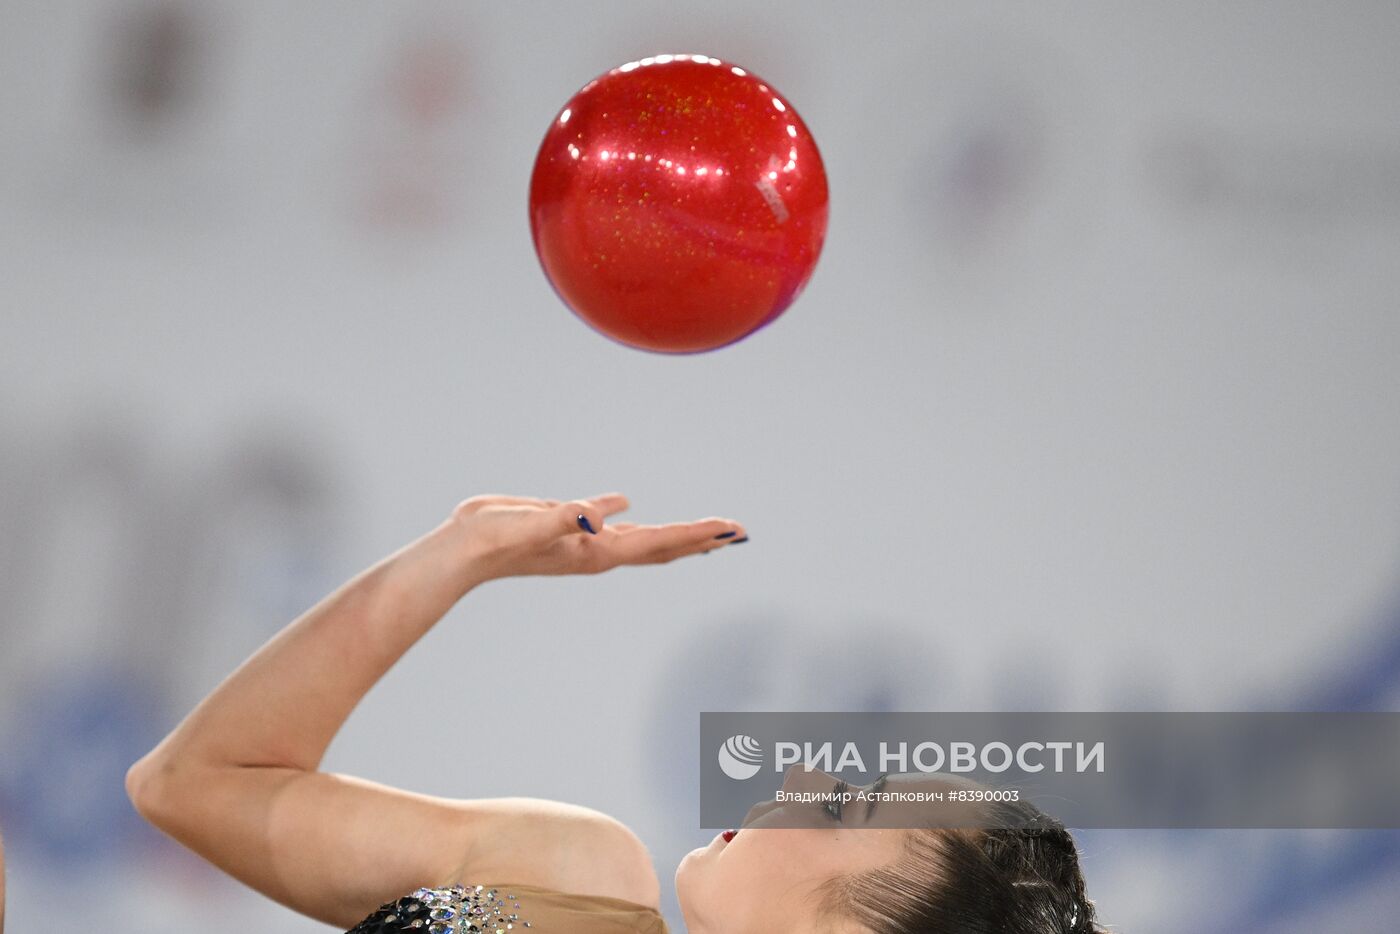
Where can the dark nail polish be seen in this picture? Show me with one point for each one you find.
(726, 535)
(739, 541)
(587, 526)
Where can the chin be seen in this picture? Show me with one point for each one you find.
(685, 885)
(686, 872)
(687, 864)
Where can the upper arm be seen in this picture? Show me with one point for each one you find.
(335, 847)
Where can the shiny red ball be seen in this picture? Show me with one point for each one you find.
(678, 203)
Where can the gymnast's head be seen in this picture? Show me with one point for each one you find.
(828, 867)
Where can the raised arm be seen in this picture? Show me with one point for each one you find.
(238, 782)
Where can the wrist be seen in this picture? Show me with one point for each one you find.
(467, 556)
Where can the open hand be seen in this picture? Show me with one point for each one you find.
(515, 536)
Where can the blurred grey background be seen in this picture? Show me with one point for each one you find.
(1092, 403)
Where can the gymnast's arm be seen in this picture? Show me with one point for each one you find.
(238, 780)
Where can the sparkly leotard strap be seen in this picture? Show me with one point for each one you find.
(455, 910)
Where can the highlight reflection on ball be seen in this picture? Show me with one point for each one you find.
(678, 203)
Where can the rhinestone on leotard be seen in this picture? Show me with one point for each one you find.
(454, 910)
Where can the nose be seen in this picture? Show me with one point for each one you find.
(801, 778)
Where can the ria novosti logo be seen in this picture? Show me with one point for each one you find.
(740, 757)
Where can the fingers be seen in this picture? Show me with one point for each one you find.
(587, 515)
(658, 544)
(611, 503)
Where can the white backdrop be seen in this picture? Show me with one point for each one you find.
(1091, 404)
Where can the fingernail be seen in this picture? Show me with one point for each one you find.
(726, 535)
(739, 541)
(587, 526)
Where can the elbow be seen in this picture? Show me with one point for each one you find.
(140, 786)
(148, 786)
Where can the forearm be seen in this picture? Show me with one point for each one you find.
(283, 706)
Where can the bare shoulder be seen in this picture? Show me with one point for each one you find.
(565, 847)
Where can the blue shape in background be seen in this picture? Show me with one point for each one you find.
(62, 776)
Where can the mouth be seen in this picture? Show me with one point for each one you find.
(729, 835)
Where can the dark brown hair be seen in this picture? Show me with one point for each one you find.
(1024, 880)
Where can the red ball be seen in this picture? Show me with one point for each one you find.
(678, 203)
